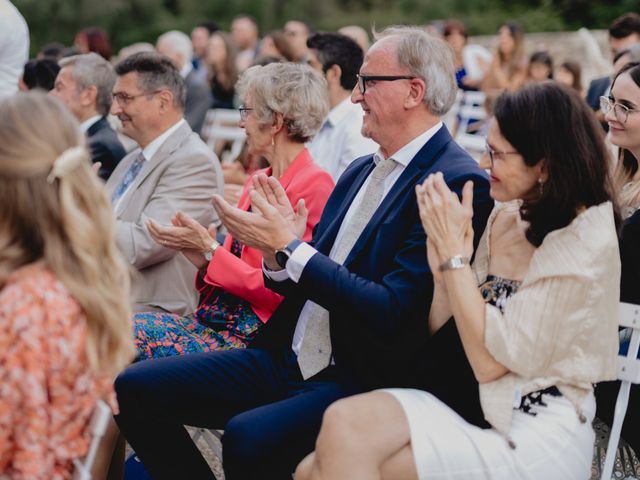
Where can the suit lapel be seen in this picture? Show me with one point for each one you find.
(96, 127)
(167, 149)
(416, 169)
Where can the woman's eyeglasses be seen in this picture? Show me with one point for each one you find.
(621, 112)
(493, 154)
(244, 113)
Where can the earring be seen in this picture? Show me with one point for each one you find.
(273, 141)
(540, 186)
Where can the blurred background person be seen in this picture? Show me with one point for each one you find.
(507, 70)
(51, 50)
(471, 60)
(84, 85)
(65, 328)
(540, 67)
(94, 39)
(358, 35)
(623, 32)
(283, 106)
(340, 141)
(14, 47)
(245, 35)
(176, 46)
(298, 32)
(221, 63)
(275, 44)
(39, 73)
(199, 40)
(569, 73)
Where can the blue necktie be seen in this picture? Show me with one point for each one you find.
(128, 178)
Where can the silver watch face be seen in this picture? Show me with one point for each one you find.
(207, 255)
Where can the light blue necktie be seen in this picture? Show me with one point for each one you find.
(128, 178)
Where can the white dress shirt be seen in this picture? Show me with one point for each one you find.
(150, 150)
(14, 47)
(339, 142)
(303, 253)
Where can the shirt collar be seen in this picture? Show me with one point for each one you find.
(186, 69)
(406, 153)
(88, 123)
(150, 150)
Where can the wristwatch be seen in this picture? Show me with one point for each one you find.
(454, 263)
(283, 254)
(208, 254)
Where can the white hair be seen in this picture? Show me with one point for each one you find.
(430, 59)
(179, 42)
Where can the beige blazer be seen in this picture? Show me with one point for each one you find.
(182, 175)
(561, 327)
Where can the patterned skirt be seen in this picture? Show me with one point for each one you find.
(222, 321)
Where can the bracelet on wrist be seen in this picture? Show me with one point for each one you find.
(454, 263)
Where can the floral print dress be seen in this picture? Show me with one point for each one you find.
(47, 390)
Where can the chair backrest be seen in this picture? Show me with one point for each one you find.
(97, 428)
(628, 373)
(221, 127)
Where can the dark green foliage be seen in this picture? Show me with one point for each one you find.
(129, 21)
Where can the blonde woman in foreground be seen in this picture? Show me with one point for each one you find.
(65, 327)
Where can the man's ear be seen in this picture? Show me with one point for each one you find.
(416, 93)
(334, 73)
(166, 100)
(88, 96)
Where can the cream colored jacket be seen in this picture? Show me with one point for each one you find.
(560, 328)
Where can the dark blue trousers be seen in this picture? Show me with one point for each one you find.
(270, 416)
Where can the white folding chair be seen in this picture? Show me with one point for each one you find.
(221, 126)
(97, 428)
(628, 373)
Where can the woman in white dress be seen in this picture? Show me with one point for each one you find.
(539, 331)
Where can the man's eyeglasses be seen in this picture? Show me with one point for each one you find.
(620, 111)
(493, 154)
(124, 99)
(363, 79)
(244, 113)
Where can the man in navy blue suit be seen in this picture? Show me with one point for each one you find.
(357, 297)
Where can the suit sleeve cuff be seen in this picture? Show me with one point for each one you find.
(295, 265)
(298, 260)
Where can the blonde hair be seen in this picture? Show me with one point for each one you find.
(57, 212)
(628, 190)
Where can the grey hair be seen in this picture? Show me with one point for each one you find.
(430, 59)
(155, 72)
(89, 70)
(296, 91)
(179, 42)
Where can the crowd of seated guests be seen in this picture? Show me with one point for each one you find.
(350, 301)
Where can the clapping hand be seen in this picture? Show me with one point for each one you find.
(270, 189)
(446, 220)
(270, 225)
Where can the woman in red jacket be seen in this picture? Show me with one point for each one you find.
(284, 105)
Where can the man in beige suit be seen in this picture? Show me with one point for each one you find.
(173, 170)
